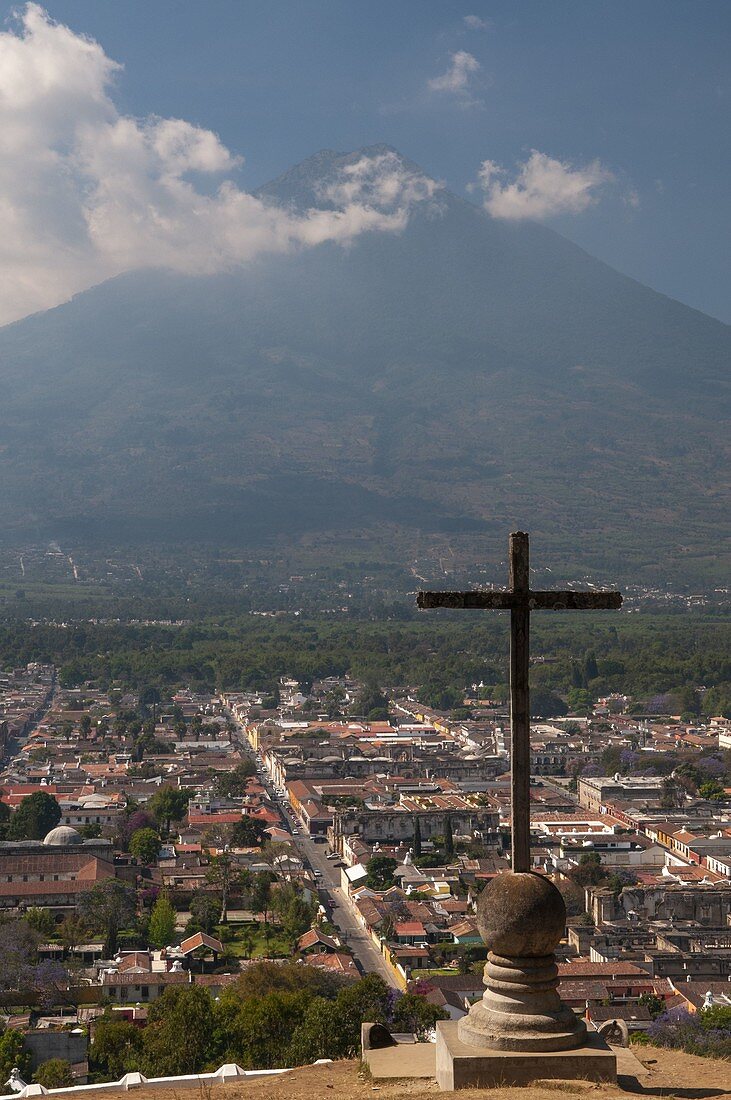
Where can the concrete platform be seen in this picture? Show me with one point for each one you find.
(402, 1062)
(628, 1064)
(459, 1066)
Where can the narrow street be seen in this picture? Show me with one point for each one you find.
(328, 881)
(14, 744)
(342, 915)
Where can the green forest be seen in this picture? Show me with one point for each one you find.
(666, 664)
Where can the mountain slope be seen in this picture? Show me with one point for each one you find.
(463, 376)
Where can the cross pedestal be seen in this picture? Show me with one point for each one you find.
(521, 1030)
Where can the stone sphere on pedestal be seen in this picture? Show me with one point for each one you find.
(521, 914)
(521, 917)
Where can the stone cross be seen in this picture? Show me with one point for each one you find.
(519, 600)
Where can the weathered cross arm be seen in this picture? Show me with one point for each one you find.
(519, 600)
(530, 601)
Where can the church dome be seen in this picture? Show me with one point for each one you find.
(63, 834)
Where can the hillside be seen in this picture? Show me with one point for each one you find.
(459, 379)
(669, 1073)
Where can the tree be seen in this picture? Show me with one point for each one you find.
(233, 784)
(617, 881)
(330, 1029)
(295, 914)
(654, 1004)
(440, 695)
(369, 999)
(145, 846)
(247, 833)
(41, 921)
(611, 760)
(448, 837)
(578, 680)
(18, 944)
(247, 941)
(169, 804)
(318, 1035)
(227, 876)
(417, 837)
(179, 1035)
(546, 704)
(261, 896)
(20, 969)
(712, 790)
(670, 794)
(35, 817)
(388, 926)
(116, 1047)
(136, 819)
(107, 908)
(264, 977)
(49, 982)
(414, 1013)
(278, 854)
(464, 963)
(689, 702)
(589, 871)
(56, 1073)
(161, 930)
(204, 910)
(262, 1029)
(12, 1053)
(71, 931)
(67, 728)
(579, 700)
(380, 871)
(372, 702)
(591, 669)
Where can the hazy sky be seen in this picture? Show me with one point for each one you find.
(607, 120)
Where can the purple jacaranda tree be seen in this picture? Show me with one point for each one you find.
(139, 819)
(18, 945)
(50, 981)
(628, 760)
(711, 766)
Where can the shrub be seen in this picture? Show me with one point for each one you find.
(706, 1033)
(54, 1074)
(12, 1053)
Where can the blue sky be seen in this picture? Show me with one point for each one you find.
(638, 89)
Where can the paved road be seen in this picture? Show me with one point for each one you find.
(16, 743)
(340, 911)
(342, 916)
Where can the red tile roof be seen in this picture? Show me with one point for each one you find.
(200, 939)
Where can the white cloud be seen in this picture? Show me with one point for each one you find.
(458, 78)
(381, 181)
(542, 186)
(87, 192)
(476, 23)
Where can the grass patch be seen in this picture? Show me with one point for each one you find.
(248, 941)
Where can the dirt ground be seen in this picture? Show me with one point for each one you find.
(671, 1074)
